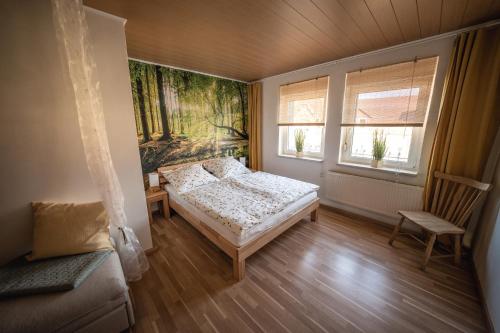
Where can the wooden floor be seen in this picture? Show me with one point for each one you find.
(338, 275)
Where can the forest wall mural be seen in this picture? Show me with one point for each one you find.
(183, 116)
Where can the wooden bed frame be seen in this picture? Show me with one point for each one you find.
(238, 253)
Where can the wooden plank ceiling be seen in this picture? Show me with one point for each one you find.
(253, 39)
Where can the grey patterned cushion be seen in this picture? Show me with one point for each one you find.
(56, 274)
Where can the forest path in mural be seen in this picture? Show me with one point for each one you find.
(155, 154)
(183, 116)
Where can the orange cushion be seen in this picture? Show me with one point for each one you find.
(66, 228)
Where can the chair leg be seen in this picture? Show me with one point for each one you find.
(396, 230)
(458, 249)
(428, 250)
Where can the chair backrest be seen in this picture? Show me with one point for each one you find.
(456, 197)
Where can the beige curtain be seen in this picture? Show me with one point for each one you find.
(255, 125)
(469, 116)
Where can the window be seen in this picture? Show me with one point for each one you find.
(392, 100)
(302, 110)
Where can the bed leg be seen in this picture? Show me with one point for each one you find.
(238, 269)
(166, 207)
(314, 215)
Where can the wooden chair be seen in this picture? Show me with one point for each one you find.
(450, 210)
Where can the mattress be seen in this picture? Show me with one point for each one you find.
(240, 240)
(240, 203)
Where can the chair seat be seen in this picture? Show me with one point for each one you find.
(431, 223)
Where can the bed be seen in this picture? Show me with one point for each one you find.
(208, 208)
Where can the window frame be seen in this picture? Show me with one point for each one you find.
(283, 132)
(283, 129)
(414, 154)
(417, 138)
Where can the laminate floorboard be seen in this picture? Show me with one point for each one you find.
(335, 275)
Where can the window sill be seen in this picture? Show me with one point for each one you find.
(314, 159)
(382, 169)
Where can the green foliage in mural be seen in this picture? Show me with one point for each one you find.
(184, 116)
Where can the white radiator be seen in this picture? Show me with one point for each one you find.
(378, 196)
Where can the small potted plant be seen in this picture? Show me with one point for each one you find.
(379, 148)
(299, 142)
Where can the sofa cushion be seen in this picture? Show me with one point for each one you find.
(104, 290)
(62, 229)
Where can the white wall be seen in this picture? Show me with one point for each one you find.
(40, 147)
(313, 171)
(108, 36)
(487, 251)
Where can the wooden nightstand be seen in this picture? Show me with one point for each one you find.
(161, 197)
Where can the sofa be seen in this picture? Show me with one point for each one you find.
(100, 304)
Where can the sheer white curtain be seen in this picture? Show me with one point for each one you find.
(73, 35)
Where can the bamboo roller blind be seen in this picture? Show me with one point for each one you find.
(303, 103)
(394, 95)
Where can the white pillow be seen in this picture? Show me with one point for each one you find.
(187, 178)
(225, 167)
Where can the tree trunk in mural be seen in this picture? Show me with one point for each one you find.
(152, 102)
(163, 108)
(232, 130)
(142, 109)
(147, 107)
(172, 109)
(229, 116)
(156, 98)
(138, 126)
(244, 114)
(168, 100)
(180, 111)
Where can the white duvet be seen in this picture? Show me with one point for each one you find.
(247, 200)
